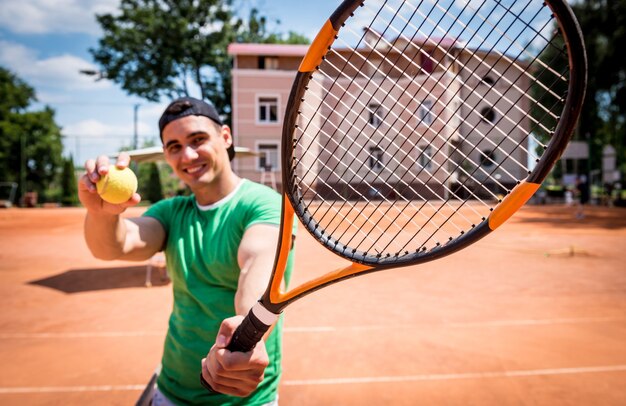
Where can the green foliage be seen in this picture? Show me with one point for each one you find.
(603, 23)
(69, 185)
(155, 48)
(549, 106)
(256, 31)
(152, 48)
(150, 187)
(16, 94)
(172, 185)
(30, 141)
(603, 118)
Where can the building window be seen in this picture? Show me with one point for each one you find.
(268, 156)
(376, 115)
(487, 158)
(268, 110)
(425, 157)
(424, 113)
(376, 159)
(488, 80)
(268, 62)
(488, 115)
(426, 62)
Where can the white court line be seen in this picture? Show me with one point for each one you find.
(344, 381)
(65, 389)
(494, 323)
(450, 377)
(97, 334)
(331, 329)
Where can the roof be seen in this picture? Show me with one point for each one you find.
(153, 154)
(268, 49)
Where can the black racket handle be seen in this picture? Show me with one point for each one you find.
(245, 338)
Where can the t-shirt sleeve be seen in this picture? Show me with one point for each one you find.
(264, 209)
(162, 211)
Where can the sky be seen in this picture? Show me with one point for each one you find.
(46, 43)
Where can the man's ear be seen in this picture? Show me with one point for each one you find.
(227, 135)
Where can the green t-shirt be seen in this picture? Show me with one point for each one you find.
(201, 251)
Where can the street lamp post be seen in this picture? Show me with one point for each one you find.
(135, 132)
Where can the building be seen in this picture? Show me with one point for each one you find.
(467, 110)
(262, 76)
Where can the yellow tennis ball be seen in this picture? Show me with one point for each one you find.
(117, 186)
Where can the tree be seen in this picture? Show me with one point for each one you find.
(603, 120)
(603, 117)
(160, 48)
(150, 186)
(30, 141)
(256, 31)
(69, 186)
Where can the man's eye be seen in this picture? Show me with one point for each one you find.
(199, 140)
(173, 149)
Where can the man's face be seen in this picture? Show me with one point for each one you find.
(196, 149)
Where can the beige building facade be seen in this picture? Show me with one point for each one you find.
(262, 76)
(461, 120)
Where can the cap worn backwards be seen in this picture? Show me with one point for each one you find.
(189, 106)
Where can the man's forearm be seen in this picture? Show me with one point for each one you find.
(105, 235)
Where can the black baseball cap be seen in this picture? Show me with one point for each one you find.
(189, 106)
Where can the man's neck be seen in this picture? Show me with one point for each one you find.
(217, 190)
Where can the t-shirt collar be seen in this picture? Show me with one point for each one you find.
(222, 201)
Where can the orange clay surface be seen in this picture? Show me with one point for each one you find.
(534, 314)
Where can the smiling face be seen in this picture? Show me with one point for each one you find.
(196, 149)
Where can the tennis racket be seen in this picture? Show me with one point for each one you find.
(415, 128)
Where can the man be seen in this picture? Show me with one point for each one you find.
(219, 243)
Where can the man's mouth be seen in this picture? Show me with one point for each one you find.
(193, 170)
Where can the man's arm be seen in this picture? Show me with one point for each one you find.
(235, 373)
(112, 237)
(108, 235)
(256, 259)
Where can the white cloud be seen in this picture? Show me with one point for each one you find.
(61, 72)
(53, 16)
(90, 138)
(92, 128)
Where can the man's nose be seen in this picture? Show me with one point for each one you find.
(189, 153)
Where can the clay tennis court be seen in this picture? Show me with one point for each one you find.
(534, 314)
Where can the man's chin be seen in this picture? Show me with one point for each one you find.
(199, 181)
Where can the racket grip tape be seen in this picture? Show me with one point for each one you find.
(244, 339)
(247, 334)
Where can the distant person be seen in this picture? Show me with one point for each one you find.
(582, 187)
(219, 243)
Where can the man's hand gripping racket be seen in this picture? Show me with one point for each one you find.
(414, 128)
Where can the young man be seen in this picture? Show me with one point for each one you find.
(219, 243)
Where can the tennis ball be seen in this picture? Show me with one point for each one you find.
(117, 186)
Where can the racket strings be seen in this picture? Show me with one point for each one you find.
(523, 49)
(386, 181)
(513, 42)
(357, 99)
(337, 211)
(483, 63)
(321, 143)
(437, 117)
(501, 55)
(355, 174)
(513, 104)
(345, 150)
